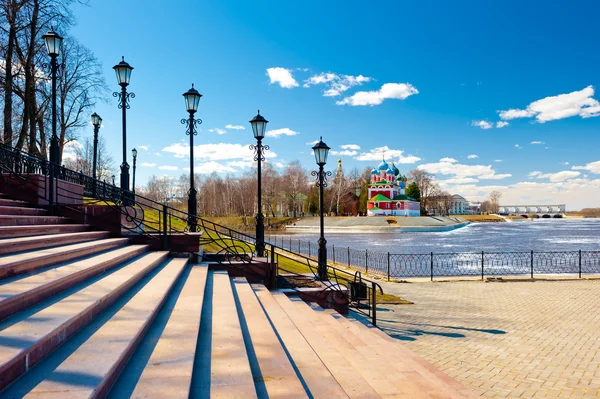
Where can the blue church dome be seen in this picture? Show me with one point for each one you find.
(374, 172)
(395, 170)
(383, 166)
(390, 171)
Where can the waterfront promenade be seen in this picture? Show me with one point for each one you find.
(512, 339)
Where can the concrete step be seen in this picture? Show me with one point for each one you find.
(11, 265)
(430, 380)
(314, 374)
(21, 293)
(12, 245)
(380, 382)
(36, 230)
(274, 375)
(102, 357)
(346, 375)
(23, 220)
(168, 373)
(11, 202)
(19, 210)
(231, 376)
(26, 342)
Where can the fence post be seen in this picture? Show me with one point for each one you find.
(333, 252)
(431, 266)
(580, 263)
(374, 304)
(164, 226)
(366, 261)
(388, 266)
(299, 247)
(309, 248)
(531, 264)
(348, 256)
(481, 265)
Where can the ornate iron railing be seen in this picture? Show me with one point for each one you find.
(433, 265)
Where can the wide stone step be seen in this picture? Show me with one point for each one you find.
(12, 245)
(11, 265)
(346, 375)
(380, 382)
(11, 202)
(273, 372)
(21, 293)
(36, 230)
(23, 220)
(104, 354)
(26, 342)
(430, 380)
(19, 210)
(231, 376)
(168, 373)
(316, 376)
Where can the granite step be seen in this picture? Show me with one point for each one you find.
(168, 373)
(346, 375)
(12, 245)
(20, 210)
(313, 372)
(36, 230)
(21, 293)
(26, 342)
(102, 357)
(11, 202)
(274, 375)
(14, 264)
(230, 368)
(23, 220)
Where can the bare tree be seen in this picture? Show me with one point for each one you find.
(494, 199)
(294, 185)
(425, 182)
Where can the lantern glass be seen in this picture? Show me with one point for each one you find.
(53, 42)
(192, 99)
(96, 119)
(134, 152)
(123, 71)
(259, 126)
(321, 150)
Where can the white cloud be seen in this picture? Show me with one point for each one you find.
(212, 166)
(282, 76)
(498, 160)
(458, 180)
(518, 147)
(241, 164)
(348, 146)
(281, 132)
(168, 167)
(235, 127)
(445, 167)
(279, 165)
(501, 124)
(449, 160)
(377, 153)
(217, 130)
(537, 142)
(593, 167)
(577, 103)
(399, 91)
(347, 153)
(313, 142)
(336, 84)
(148, 164)
(482, 124)
(215, 152)
(565, 163)
(143, 147)
(555, 177)
(473, 156)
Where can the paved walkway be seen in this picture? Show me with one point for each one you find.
(511, 339)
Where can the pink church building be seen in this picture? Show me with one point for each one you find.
(387, 195)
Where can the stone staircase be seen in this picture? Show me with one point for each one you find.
(86, 315)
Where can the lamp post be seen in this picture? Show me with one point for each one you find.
(192, 99)
(259, 127)
(53, 43)
(113, 178)
(134, 155)
(123, 71)
(97, 122)
(321, 150)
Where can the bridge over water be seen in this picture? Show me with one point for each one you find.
(541, 210)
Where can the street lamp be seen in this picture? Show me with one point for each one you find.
(123, 71)
(259, 127)
(53, 43)
(113, 177)
(97, 122)
(134, 155)
(321, 150)
(192, 100)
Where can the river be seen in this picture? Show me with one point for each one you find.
(540, 235)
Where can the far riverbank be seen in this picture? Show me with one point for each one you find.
(376, 224)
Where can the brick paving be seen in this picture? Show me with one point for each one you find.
(512, 339)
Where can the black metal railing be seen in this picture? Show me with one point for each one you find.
(433, 265)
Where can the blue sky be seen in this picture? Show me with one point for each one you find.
(429, 80)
